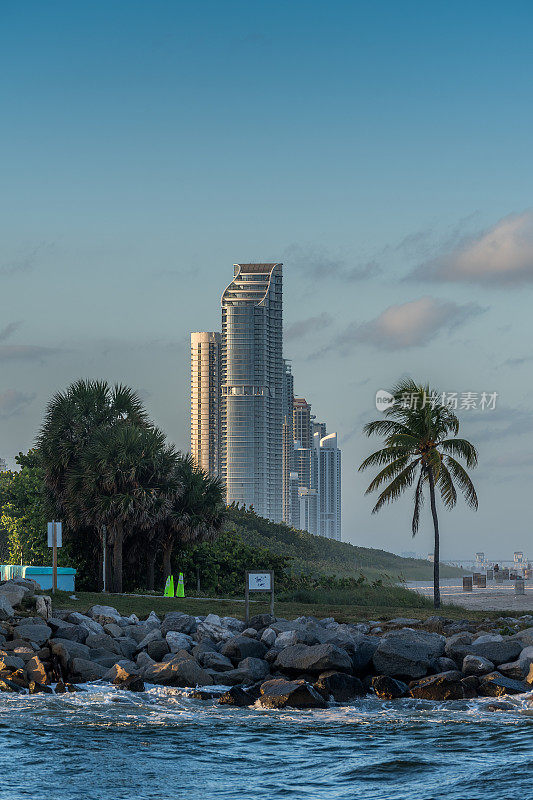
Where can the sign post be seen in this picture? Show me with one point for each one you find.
(55, 540)
(258, 582)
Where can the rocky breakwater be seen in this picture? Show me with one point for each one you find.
(302, 663)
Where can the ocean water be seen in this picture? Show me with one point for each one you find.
(106, 744)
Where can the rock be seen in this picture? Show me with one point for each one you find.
(128, 647)
(445, 664)
(389, 688)
(529, 676)
(279, 693)
(256, 668)
(286, 639)
(458, 646)
(36, 671)
(101, 641)
(408, 653)
(90, 625)
(525, 637)
(13, 592)
(67, 630)
(153, 635)
(125, 679)
(205, 646)
(66, 650)
(39, 688)
(11, 663)
(216, 661)
(6, 609)
(239, 647)
(158, 649)
(178, 622)
(444, 686)
(268, 637)
(251, 633)
(499, 650)
(178, 641)
(477, 665)
(496, 685)
(517, 670)
(261, 621)
(86, 670)
(236, 696)
(62, 687)
(361, 650)
(470, 686)
(314, 659)
(178, 672)
(104, 614)
(208, 630)
(7, 685)
(233, 624)
(43, 606)
(114, 630)
(341, 686)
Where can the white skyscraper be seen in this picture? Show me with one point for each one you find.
(205, 400)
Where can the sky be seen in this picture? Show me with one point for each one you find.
(380, 150)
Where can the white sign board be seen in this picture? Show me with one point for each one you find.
(59, 535)
(259, 582)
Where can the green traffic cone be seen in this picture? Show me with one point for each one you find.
(181, 586)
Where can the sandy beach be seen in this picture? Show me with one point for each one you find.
(493, 598)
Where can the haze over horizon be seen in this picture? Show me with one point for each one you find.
(381, 152)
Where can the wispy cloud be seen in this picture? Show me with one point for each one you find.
(406, 325)
(316, 262)
(10, 328)
(25, 352)
(25, 262)
(304, 327)
(499, 255)
(14, 402)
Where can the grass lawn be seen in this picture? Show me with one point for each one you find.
(142, 605)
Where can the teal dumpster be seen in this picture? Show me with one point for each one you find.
(43, 575)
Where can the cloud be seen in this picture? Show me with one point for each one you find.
(297, 330)
(317, 263)
(406, 325)
(24, 263)
(499, 255)
(25, 352)
(499, 423)
(6, 332)
(13, 402)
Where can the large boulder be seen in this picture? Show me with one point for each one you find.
(179, 622)
(36, 671)
(361, 649)
(239, 647)
(125, 678)
(66, 650)
(88, 624)
(153, 635)
(279, 693)
(236, 696)
(256, 669)
(339, 685)
(233, 624)
(389, 688)
(477, 665)
(444, 686)
(313, 659)
(178, 641)
(525, 637)
(216, 661)
(101, 641)
(408, 653)
(178, 672)
(14, 593)
(33, 633)
(62, 629)
(458, 646)
(6, 609)
(10, 663)
(517, 670)
(268, 637)
(104, 614)
(496, 685)
(213, 631)
(497, 649)
(84, 670)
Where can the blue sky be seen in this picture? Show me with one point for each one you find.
(382, 151)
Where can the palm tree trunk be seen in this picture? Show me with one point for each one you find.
(117, 559)
(167, 553)
(436, 551)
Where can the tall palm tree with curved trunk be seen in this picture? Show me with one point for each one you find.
(421, 449)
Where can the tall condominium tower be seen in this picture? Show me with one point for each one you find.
(302, 422)
(205, 400)
(252, 389)
(329, 486)
(288, 446)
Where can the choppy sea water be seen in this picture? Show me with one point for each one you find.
(106, 744)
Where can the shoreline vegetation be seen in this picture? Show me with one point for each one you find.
(276, 661)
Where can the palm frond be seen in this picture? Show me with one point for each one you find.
(463, 479)
(396, 487)
(462, 448)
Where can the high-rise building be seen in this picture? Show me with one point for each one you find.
(288, 444)
(205, 400)
(318, 427)
(252, 378)
(294, 511)
(329, 486)
(302, 422)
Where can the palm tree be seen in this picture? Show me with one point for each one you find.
(121, 480)
(198, 511)
(421, 445)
